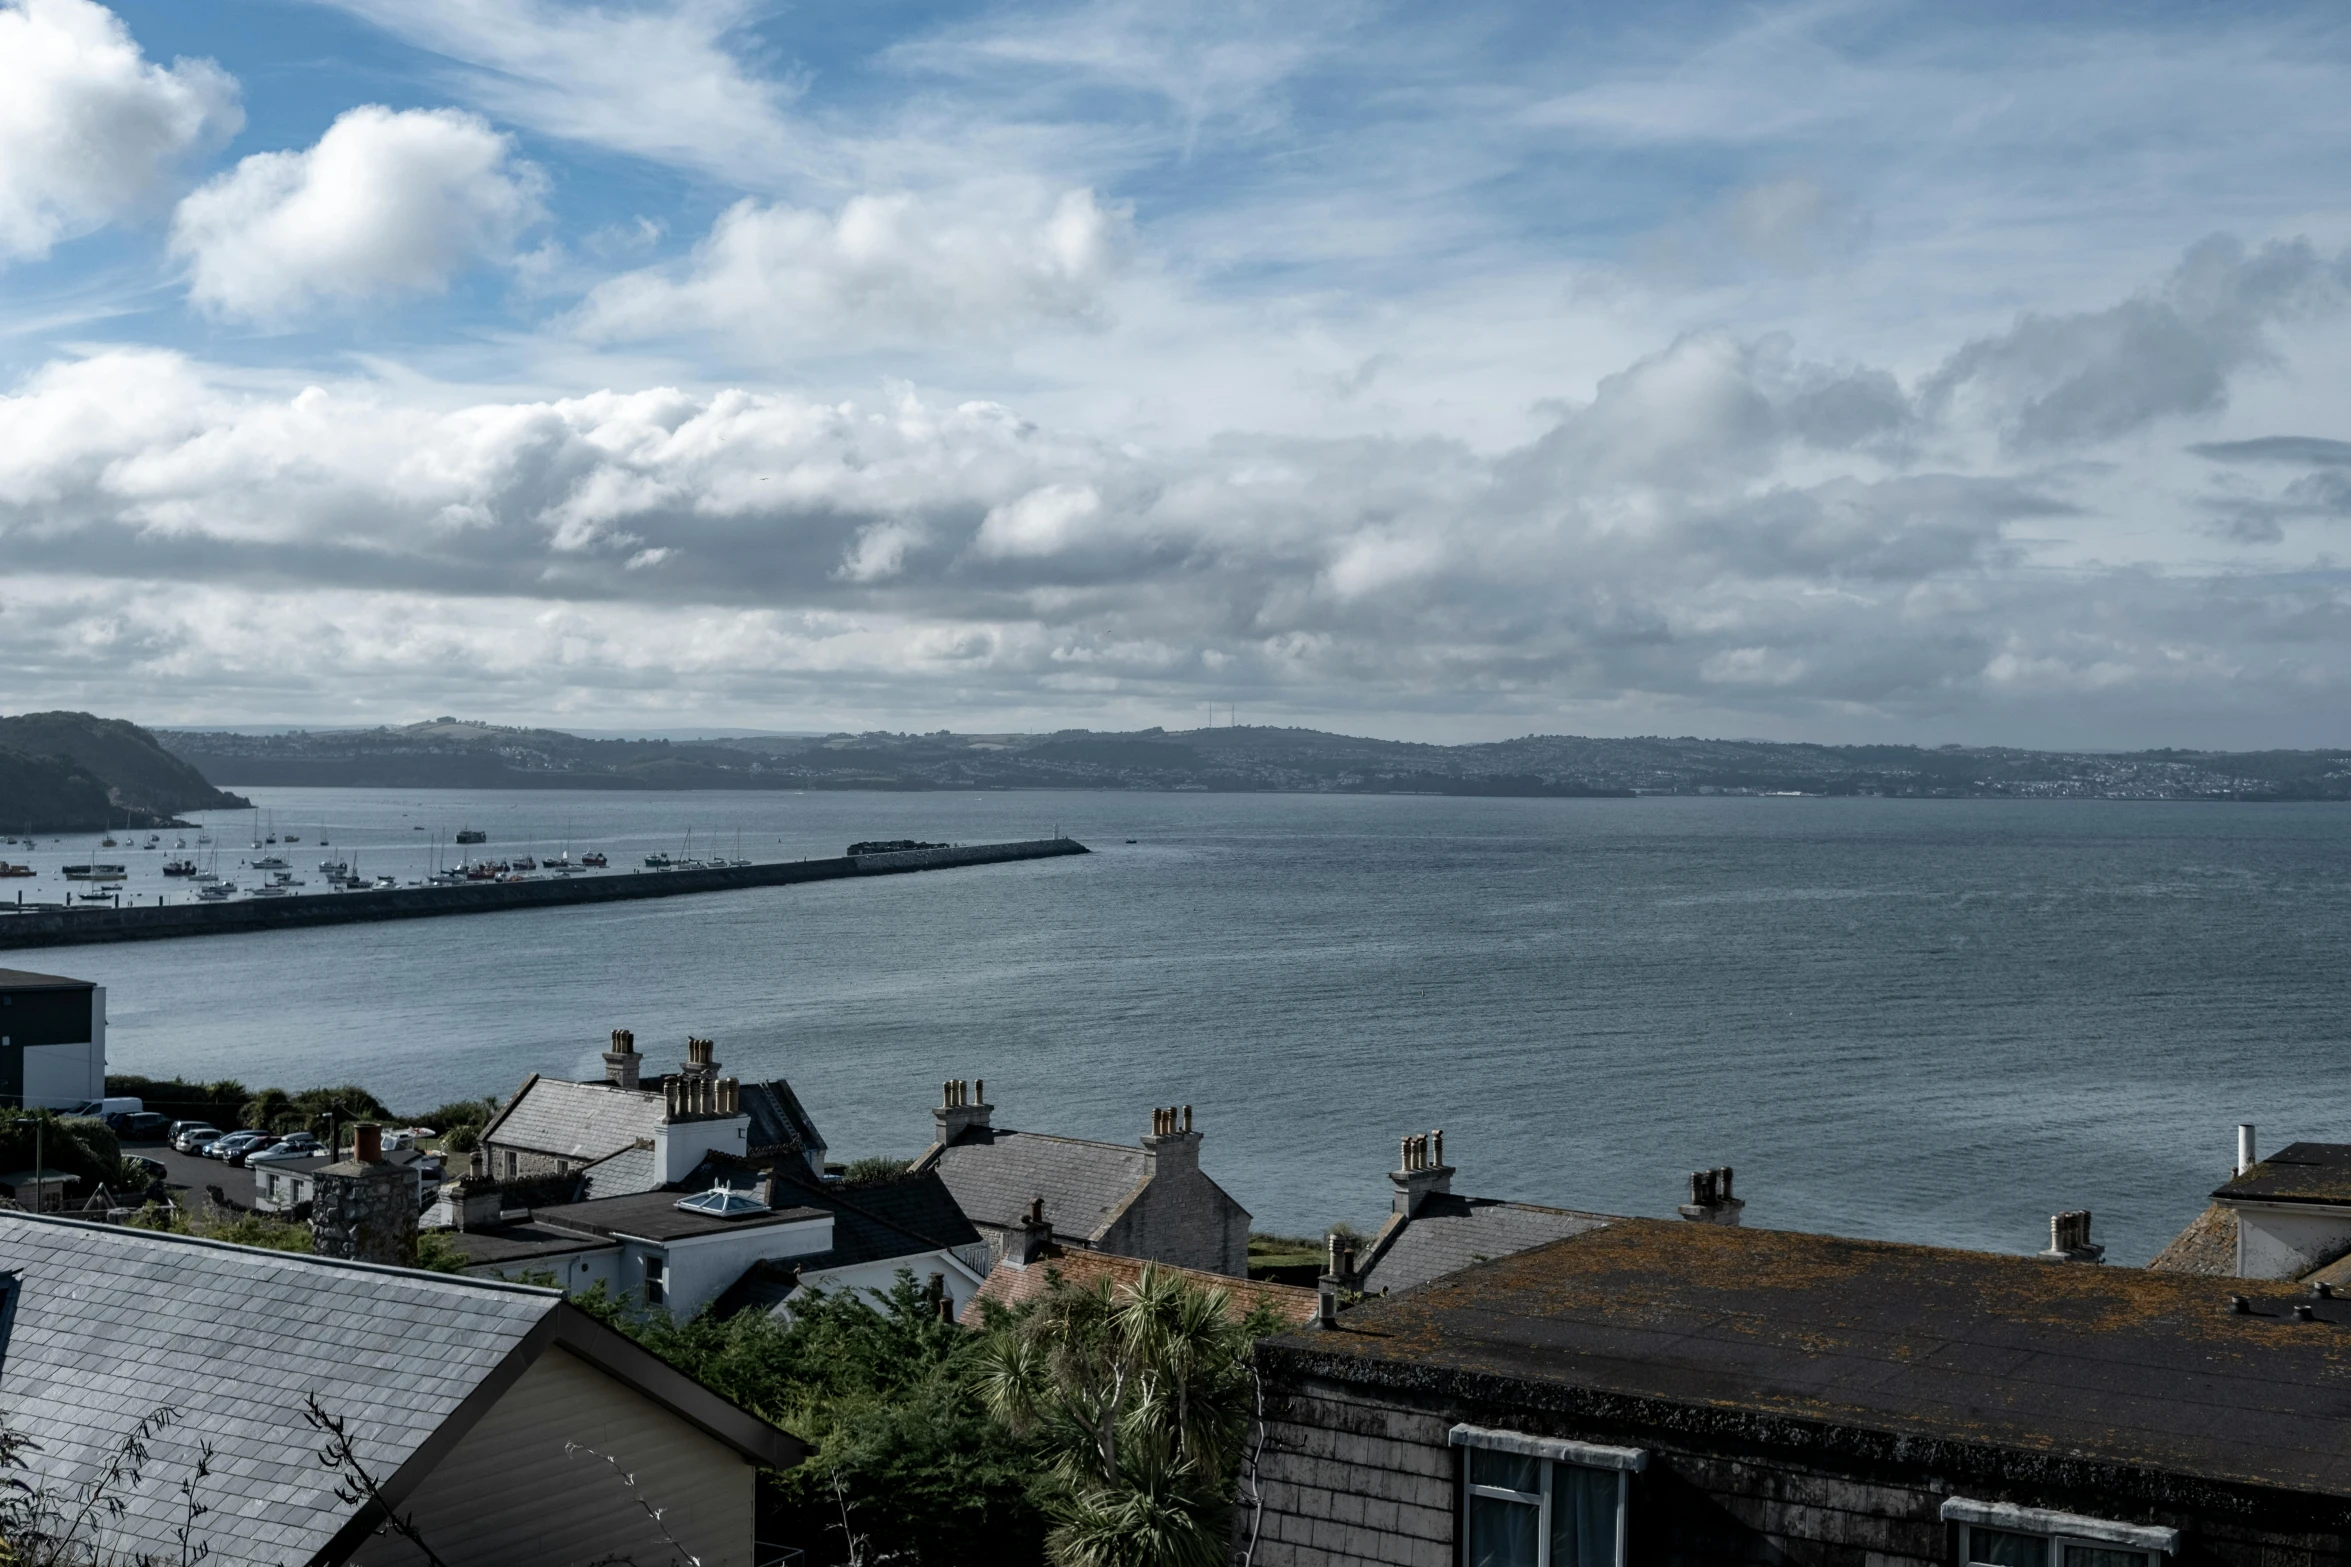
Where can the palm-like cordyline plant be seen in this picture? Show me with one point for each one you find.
(1138, 1397)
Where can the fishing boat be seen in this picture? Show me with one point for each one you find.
(179, 867)
(98, 872)
(657, 862)
(472, 835)
(594, 860)
(523, 862)
(7, 869)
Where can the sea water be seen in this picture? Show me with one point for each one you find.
(1936, 1021)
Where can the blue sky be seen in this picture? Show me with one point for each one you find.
(1836, 370)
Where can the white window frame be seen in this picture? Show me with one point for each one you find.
(1625, 1461)
(656, 1280)
(2058, 1529)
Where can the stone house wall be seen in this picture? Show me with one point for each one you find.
(1184, 1218)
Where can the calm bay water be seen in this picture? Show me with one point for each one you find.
(1930, 1021)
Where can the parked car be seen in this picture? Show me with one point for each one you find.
(194, 1139)
(139, 1125)
(284, 1153)
(265, 1140)
(180, 1127)
(234, 1143)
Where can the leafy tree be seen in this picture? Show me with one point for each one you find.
(1136, 1399)
(906, 1463)
(475, 1113)
(879, 1170)
(83, 1147)
(275, 1110)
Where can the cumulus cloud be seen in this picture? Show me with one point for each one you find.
(388, 204)
(893, 267)
(2053, 381)
(1724, 522)
(90, 130)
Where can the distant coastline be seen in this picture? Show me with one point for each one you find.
(452, 754)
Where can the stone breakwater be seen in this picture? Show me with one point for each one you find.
(75, 927)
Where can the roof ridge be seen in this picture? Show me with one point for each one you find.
(426, 1275)
(1083, 1142)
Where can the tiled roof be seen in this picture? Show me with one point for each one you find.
(1450, 1233)
(550, 1115)
(2207, 1246)
(995, 1173)
(1011, 1286)
(617, 1175)
(115, 1322)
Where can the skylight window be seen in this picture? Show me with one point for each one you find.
(724, 1202)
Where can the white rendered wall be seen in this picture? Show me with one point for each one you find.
(881, 1276)
(702, 1266)
(59, 1077)
(2285, 1243)
(678, 1146)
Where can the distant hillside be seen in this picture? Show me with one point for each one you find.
(67, 772)
(447, 753)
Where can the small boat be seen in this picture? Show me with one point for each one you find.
(387, 881)
(270, 892)
(95, 872)
(7, 869)
(335, 867)
(293, 838)
(657, 862)
(204, 837)
(95, 897)
(594, 859)
(523, 863)
(218, 892)
(269, 862)
(179, 867)
(108, 842)
(472, 835)
(179, 843)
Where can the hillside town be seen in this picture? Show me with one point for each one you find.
(415, 1344)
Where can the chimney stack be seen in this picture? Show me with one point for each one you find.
(1338, 1274)
(1172, 1144)
(2069, 1238)
(364, 1208)
(962, 1107)
(1033, 1241)
(621, 1062)
(2246, 1157)
(1711, 1201)
(1421, 1172)
(701, 1064)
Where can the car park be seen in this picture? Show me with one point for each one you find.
(234, 1143)
(260, 1142)
(195, 1138)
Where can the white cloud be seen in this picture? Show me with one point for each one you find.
(386, 205)
(657, 80)
(894, 267)
(90, 131)
(1717, 531)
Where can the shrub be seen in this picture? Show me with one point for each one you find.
(875, 1171)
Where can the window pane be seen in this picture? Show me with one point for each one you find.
(2003, 1548)
(1507, 1470)
(1503, 1534)
(1583, 1517)
(2103, 1556)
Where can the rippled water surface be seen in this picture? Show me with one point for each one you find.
(1926, 1020)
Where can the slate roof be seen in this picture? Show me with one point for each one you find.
(115, 1322)
(1450, 1233)
(552, 1115)
(898, 1218)
(618, 1175)
(994, 1173)
(1865, 1343)
(779, 1121)
(1010, 1286)
(2299, 1172)
(2207, 1246)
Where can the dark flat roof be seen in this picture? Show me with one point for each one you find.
(2110, 1366)
(26, 979)
(2298, 1172)
(656, 1216)
(521, 1242)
